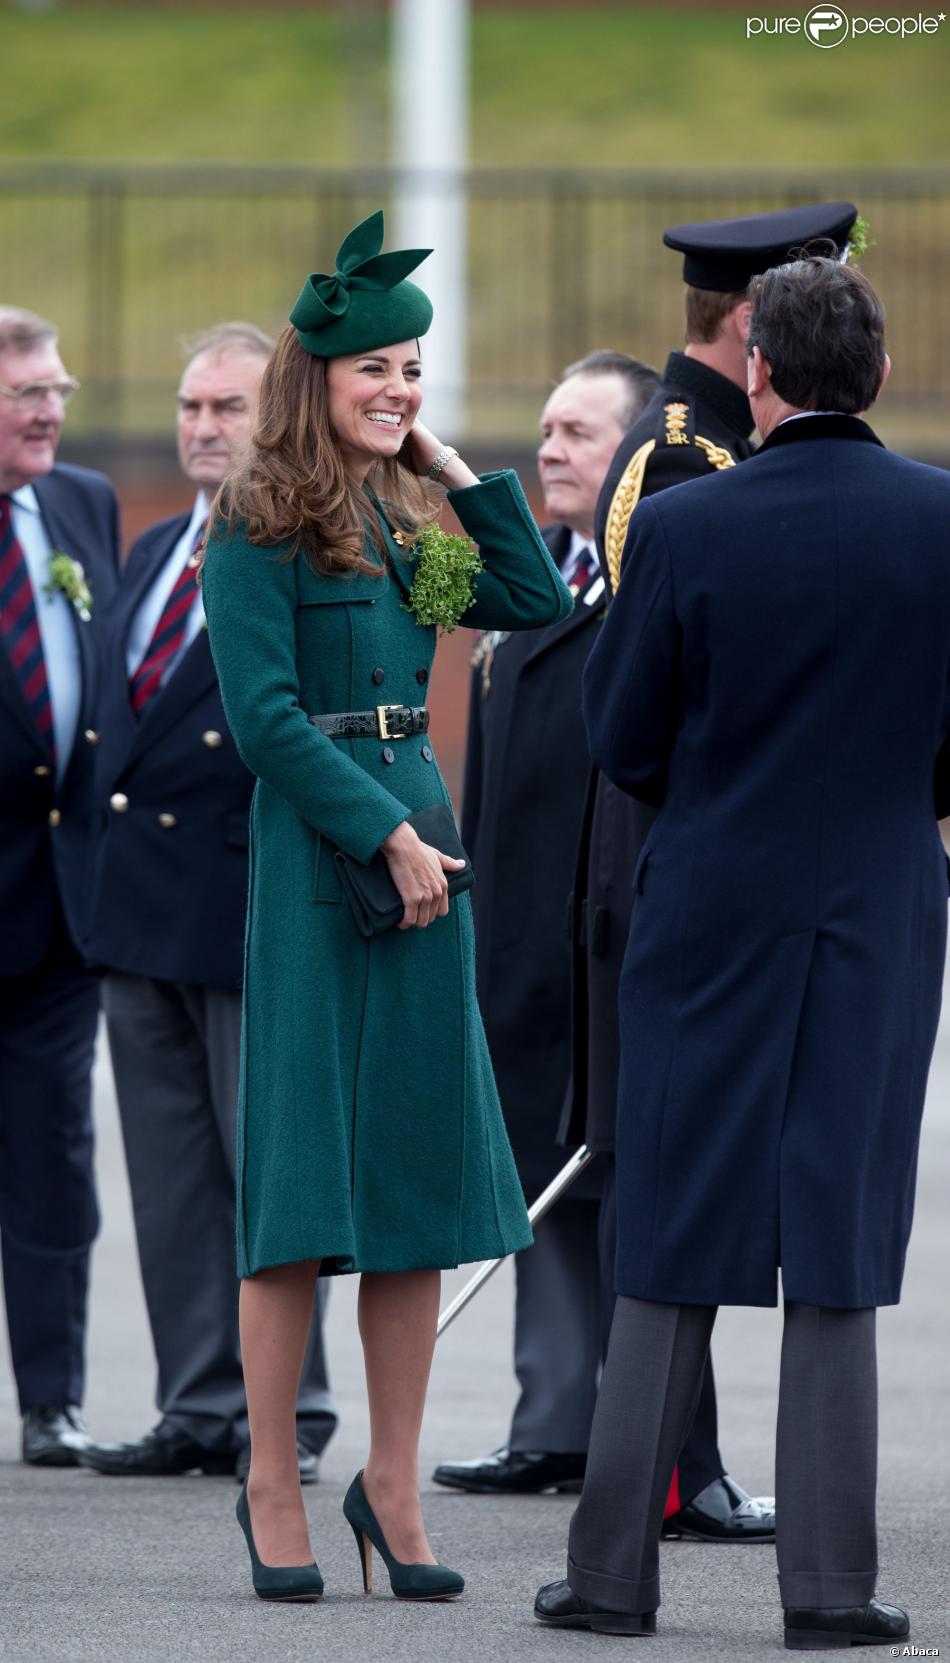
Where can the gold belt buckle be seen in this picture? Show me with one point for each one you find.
(382, 711)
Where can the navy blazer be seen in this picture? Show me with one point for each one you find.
(174, 800)
(45, 831)
(526, 773)
(774, 675)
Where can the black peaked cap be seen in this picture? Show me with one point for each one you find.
(725, 254)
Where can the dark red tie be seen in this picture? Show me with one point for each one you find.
(19, 626)
(168, 634)
(580, 569)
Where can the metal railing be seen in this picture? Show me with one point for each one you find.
(127, 259)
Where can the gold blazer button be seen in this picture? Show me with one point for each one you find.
(54, 816)
(168, 821)
(119, 802)
(211, 739)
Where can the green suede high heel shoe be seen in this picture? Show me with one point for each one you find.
(407, 1581)
(277, 1582)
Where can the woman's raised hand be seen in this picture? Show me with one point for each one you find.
(418, 871)
(420, 451)
(421, 448)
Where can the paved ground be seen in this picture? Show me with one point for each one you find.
(136, 1571)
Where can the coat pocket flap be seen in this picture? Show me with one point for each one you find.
(317, 589)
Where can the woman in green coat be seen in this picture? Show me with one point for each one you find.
(369, 1131)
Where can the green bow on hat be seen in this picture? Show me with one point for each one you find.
(366, 303)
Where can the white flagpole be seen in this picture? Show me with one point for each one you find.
(430, 102)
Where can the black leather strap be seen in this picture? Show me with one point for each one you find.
(387, 721)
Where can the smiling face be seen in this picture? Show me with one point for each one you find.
(373, 400)
(582, 424)
(217, 400)
(28, 439)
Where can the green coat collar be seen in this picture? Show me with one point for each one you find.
(399, 558)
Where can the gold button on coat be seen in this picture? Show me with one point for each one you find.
(211, 739)
(41, 771)
(91, 737)
(119, 802)
(54, 816)
(167, 820)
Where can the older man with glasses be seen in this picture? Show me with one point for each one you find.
(59, 544)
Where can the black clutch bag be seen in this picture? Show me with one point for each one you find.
(374, 899)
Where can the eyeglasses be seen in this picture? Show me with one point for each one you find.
(31, 395)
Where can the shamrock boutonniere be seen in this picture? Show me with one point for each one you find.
(66, 577)
(443, 585)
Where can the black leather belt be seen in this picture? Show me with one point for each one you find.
(387, 721)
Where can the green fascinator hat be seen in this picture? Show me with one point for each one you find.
(366, 302)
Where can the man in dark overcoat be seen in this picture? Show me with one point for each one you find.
(168, 925)
(526, 772)
(698, 423)
(59, 553)
(781, 988)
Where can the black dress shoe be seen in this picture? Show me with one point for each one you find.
(558, 1606)
(163, 1453)
(518, 1472)
(307, 1463)
(856, 1625)
(53, 1435)
(723, 1513)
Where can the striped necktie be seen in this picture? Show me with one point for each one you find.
(580, 569)
(20, 629)
(169, 632)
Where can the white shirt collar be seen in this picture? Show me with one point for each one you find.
(25, 497)
(200, 511)
(578, 542)
(800, 415)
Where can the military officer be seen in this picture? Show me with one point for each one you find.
(59, 553)
(169, 928)
(699, 422)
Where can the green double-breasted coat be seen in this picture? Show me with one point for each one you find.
(369, 1130)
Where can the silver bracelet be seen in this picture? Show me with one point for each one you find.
(444, 457)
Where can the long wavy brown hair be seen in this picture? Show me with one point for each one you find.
(292, 488)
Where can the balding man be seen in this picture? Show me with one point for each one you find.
(59, 545)
(169, 927)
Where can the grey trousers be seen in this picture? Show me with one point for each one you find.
(175, 1054)
(826, 1454)
(559, 1331)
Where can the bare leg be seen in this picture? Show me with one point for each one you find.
(276, 1310)
(398, 1312)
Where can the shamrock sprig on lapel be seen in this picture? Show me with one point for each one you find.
(67, 577)
(443, 587)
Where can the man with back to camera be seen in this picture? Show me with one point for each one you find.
(526, 778)
(781, 988)
(59, 553)
(699, 422)
(169, 927)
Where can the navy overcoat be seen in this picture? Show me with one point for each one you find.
(775, 671)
